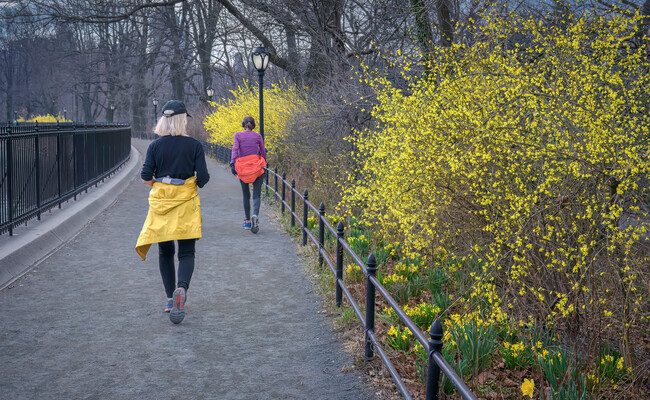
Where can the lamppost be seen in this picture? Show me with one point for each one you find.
(261, 60)
(210, 92)
(65, 114)
(112, 114)
(155, 110)
(15, 117)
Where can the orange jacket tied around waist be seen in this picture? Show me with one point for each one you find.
(174, 214)
(250, 167)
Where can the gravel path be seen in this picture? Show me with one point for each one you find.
(87, 323)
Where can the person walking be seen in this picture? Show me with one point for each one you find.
(174, 166)
(247, 162)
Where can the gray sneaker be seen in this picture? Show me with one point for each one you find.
(177, 312)
(255, 224)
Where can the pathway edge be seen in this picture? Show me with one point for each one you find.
(24, 252)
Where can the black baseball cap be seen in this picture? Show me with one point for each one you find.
(174, 107)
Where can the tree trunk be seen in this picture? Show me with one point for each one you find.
(86, 103)
(9, 76)
(293, 57)
(139, 105)
(176, 71)
(444, 22)
(206, 67)
(423, 28)
(327, 50)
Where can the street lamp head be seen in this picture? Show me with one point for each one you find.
(155, 101)
(112, 107)
(210, 92)
(260, 58)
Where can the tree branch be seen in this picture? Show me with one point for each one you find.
(273, 54)
(57, 12)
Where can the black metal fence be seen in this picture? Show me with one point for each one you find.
(432, 344)
(220, 153)
(43, 165)
(144, 135)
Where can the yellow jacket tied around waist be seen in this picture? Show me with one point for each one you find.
(174, 214)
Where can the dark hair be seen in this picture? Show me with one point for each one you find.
(248, 122)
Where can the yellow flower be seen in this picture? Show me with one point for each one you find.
(619, 363)
(528, 387)
(393, 331)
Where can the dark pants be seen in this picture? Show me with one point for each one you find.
(257, 200)
(185, 264)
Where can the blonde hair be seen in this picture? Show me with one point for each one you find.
(175, 125)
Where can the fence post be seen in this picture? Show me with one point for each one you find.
(321, 232)
(275, 176)
(305, 214)
(85, 158)
(284, 189)
(37, 167)
(339, 262)
(371, 265)
(293, 202)
(266, 179)
(58, 166)
(433, 370)
(74, 164)
(10, 182)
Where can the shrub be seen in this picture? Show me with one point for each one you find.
(279, 104)
(529, 150)
(44, 118)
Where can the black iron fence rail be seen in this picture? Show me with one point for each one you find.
(44, 165)
(432, 344)
(34, 127)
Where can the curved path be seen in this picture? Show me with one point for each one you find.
(88, 322)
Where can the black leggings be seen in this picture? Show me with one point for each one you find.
(185, 264)
(257, 194)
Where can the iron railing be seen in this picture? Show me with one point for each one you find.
(32, 127)
(219, 153)
(144, 135)
(432, 344)
(43, 165)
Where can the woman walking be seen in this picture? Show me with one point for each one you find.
(174, 166)
(247, 162)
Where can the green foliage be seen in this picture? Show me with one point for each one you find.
(422, 314)
(475, 345)
(398, 338)
(516, 355)
(348, 316)
(353, 273)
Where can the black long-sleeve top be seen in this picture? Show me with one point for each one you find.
(175, 156)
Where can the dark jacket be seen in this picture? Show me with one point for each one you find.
(175, 156)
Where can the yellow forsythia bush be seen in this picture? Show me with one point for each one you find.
(44, 118)
(279, 104)
(528, 150)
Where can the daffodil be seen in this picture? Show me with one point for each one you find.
(528, 388)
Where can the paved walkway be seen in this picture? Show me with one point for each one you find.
(87, 323)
